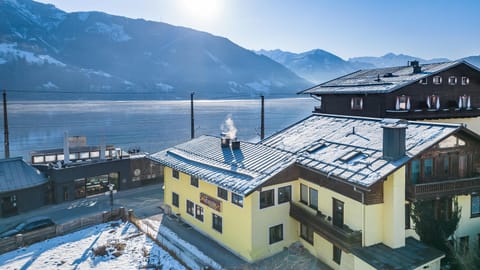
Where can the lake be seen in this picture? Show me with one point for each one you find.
(148, 125)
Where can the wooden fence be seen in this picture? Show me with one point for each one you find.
(20, 240)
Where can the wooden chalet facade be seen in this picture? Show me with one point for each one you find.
(412, 92)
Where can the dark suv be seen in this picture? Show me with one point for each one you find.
(28, 226)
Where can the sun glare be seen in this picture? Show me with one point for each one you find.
(204, 10)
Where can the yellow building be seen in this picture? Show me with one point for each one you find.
(336, 184)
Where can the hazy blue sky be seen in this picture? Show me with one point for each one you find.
(347, 28)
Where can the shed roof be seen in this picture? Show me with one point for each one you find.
(16, 174)
(351, 148)
(380, 80)
(239, 170)
(411, 256)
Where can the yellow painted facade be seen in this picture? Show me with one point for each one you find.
(245, 230)
(468, 225)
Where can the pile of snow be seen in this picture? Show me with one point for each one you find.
(106, 246)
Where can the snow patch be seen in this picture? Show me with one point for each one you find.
(2, 61)
(218, 61)
(165, 87)
(127, 82)
(262, 86)
(9, 51)
(125, 248)
(49, 85)
(115, 31)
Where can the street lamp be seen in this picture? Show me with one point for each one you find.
(111, 192)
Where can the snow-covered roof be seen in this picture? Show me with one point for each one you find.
(351, 148)
(237, 170)
(16, 174)
(379, 80)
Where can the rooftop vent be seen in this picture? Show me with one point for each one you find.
(416, 66)
(388, 75)
(394, 138)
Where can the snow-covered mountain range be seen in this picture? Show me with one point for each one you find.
(319, 66)
(51, 54)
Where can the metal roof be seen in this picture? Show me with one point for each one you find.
(352, 147)
(238, 170)
(16, 174)
(379, 80)
(343, 147)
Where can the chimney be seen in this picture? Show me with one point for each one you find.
(235, 144)
(394, 139)
(416, 67)
(225, 140)
(66, 149)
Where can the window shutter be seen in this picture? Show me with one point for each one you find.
(397, 104)
(408, 103)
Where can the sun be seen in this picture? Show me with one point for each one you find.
(204, 10)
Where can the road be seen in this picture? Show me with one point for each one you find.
(145, 201)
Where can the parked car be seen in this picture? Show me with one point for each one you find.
(29, 225)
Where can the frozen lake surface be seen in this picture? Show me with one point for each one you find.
(148, 125)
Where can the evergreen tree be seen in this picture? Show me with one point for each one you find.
(435, 222)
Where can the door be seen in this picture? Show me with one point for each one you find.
(337, 213)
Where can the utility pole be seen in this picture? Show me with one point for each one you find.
(262, 117)
(192, 120)
(5, 125)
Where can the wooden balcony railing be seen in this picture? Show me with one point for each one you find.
(432, 113)
(443, 188)
(344, 237)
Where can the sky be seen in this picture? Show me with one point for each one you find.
(347, 28)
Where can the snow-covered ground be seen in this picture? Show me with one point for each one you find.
(112, 245)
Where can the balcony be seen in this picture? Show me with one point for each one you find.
(344, 238)
(442, 189)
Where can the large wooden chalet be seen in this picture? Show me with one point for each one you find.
(412, 92)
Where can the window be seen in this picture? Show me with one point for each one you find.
(303, 194)
(463, 245)
(276, 234)
(174, 199)
(237, 199)
(464, 102)
(446, 165)
(428, 167)
(423, 81)
(437, 80)
(217, 223)
(475, 206)
(306, 233)
(407, 216)
(190, 208)
(267, 198)
(284, 194)
(199, 212)
(462, 166)
(465, 80)
(337, 254)
(433, 102)
(222, 193)
(313, 202)
(337, 210)
(175, 174)
(452, 80)
(402, 103)
(194, 181)
(356, 103)
(414, 171)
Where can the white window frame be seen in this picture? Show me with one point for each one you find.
(437, 79)
(465, 80)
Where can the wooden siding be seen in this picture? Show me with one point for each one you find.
(383, 105)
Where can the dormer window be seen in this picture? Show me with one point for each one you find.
(465, 80)
(464, 102)
(423, 81)
(433, 102)
(437, 80)
(356, 103)
(402, 103)
(452, 80)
